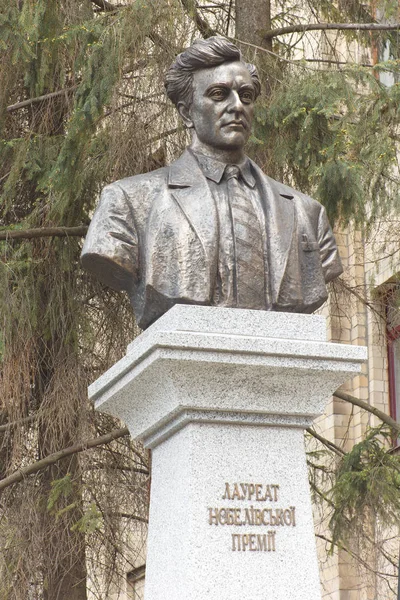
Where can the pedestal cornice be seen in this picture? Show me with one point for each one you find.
(232, 365)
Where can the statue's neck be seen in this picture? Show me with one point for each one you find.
(227, 156)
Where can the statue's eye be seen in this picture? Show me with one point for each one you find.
(218, 94)
(247, 97)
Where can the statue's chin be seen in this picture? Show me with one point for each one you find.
(235, 137)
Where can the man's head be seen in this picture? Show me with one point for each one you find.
(202, 54)
(214, 91)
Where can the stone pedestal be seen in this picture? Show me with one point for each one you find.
(223, 396)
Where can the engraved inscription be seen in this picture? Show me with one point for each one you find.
(269, 517)
(254, 542)
(251, 491)
(264, 514)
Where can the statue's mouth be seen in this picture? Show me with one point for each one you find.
(236, 124)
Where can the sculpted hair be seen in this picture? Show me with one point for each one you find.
(202, 54)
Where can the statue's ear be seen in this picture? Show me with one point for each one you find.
(184, 111)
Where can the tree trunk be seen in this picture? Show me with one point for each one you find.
(64, 557)
(253, 16)
(63, 550)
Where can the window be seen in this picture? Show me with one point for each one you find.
(136, 583)
(387, 51)
(393, 339)
(394, 373)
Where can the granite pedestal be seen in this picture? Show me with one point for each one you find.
(222, 397)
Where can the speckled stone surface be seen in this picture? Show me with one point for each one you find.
(222, 396)
(217, 359)
(189, 558)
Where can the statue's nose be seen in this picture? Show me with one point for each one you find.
(235, 103)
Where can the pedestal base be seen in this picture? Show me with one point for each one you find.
(223, 397)
(231, 516)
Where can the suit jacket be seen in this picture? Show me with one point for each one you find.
(156, 236)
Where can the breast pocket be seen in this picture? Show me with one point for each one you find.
(308, 245)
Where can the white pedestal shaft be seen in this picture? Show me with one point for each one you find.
(223, 397)
(193, 554)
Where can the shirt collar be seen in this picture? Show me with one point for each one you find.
(214, 169)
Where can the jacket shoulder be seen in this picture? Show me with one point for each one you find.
(288, 192)
(135, 183)
(291, 193)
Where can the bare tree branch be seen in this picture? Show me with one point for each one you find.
(164, 134)
(158, 40)
(8, 426)
(267, 35)
(102, 466)
(123, 515)
(202, 25)
(30, 101)
(365, 406)
(106, 6)
(338, 63)
(341, 546)
(68, 90)
(298, 63)
(18, 105)
(359, 297)
(320, 493)
(326, 442)
(51, 459)
(367, 537)
(228, 21)
(27, 234)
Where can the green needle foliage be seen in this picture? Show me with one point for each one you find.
(367, 487)
(316, 132)
(61, 329)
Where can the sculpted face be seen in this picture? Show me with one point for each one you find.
(222, 109)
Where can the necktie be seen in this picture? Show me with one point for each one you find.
(249, 272)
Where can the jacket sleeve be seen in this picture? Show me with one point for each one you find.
(330, 259)
(110, 250)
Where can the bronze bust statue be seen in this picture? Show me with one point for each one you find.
(212, 228)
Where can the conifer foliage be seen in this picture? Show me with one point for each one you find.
(81, 105)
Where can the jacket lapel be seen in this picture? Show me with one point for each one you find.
(181, 240)
(190, 191)
(280, 224)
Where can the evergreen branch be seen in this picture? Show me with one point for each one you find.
(267, 35)
(202, 25)
(372, 409)
(51, 459)
(326, 442)
(30, 101)
(27, 234)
